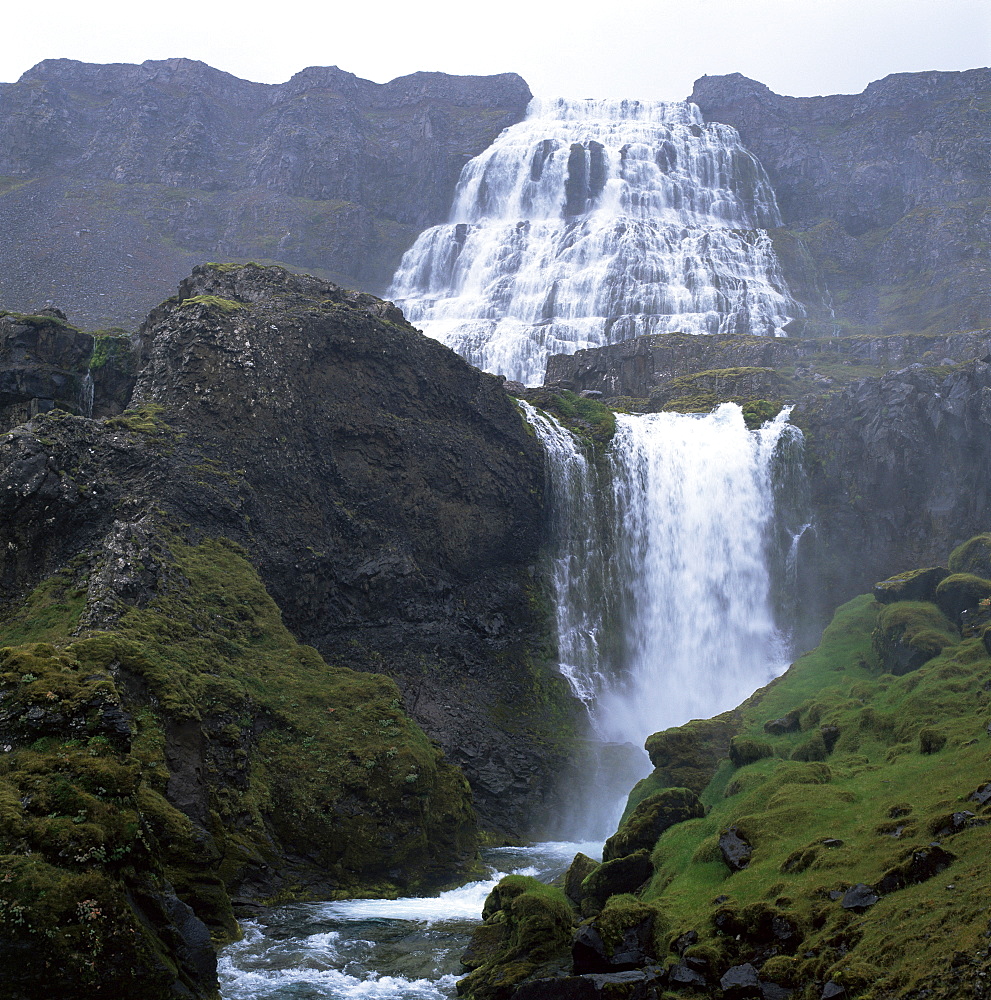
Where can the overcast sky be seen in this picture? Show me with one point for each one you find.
(623, 48)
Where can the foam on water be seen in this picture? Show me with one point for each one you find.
(402, 949)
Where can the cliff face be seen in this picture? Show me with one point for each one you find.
(885, 196)
(115, 180)
(899, 470)
(171, 752)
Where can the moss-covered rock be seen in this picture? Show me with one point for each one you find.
(914, 585)
(640, 830)
(973, 556)
(745, 750)
(961, 592)
(526, 932)
(616, 877)
(910, 633)
(687, 756)
(580, 868)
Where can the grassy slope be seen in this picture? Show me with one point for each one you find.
(875, 781)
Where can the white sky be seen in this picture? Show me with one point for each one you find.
(624, 48)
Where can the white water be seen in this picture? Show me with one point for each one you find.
(374, 949)
(694, 502)
(593, 222)
(666, 615)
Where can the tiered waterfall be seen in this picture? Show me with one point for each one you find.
(591, 222)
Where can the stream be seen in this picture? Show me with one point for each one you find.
(381, 949)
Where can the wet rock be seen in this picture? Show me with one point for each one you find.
(740, 983)
(580, 868)
(735, 849)
(860, 898)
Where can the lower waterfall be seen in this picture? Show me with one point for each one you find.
(661, 580)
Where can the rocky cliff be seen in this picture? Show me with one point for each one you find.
(170, 749)
(885, 196)
(115, 180)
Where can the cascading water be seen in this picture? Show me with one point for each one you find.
(667, 614)
(593, 222)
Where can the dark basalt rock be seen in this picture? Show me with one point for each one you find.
(916, 585)
(683, 977)
(983, 794)
(736, 851)
(636, 949)
(918, 867)
(859, 898)
(740, 983)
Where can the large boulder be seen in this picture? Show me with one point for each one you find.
(650, 819)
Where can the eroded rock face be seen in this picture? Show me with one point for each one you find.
(882, 195)
(899, 474)
(387, 491)
(171, 163)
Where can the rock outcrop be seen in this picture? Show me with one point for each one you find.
(170, 750)
(116, 180)
(884, 196)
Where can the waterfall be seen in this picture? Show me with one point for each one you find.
(662, 579)
(86, 394)
(694, 502)
(592, 222)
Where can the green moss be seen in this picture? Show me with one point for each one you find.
(110, 348)
(962, 592)
(650, 818)
(973, 557)
(143, 419)
(213, 302)
(589, 419)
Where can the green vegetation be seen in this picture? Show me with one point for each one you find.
(213, 302)
(143, 419)
(110, 347)
(589, 419)
(297, 757)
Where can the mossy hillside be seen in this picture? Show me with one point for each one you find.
(83, 889)
(973, 556)
(313, 776)
(886, 790)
